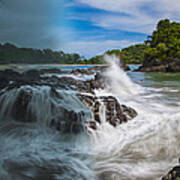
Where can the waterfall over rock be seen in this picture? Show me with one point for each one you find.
(48, 119)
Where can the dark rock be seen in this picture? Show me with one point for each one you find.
(115, 113)
(32, 74)
(173, 174)
(68, 121)
(92, 125)
(82, 71)
(161, 68)
(126, 68)
(20, 106)
(151, 66)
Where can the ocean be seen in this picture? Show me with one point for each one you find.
(40, 142)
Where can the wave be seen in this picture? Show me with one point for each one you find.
(144, 148)
(43, 133)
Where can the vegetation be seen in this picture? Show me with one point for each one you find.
(163, 46)
(10, 54)
(94, 60)
(130, 55)
(133, 54)
(100, 59)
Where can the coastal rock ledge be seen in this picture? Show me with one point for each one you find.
(34, 93)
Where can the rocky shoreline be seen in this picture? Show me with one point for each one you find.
(115, 113)
(173, 174)
(161, 68)
(151, 66)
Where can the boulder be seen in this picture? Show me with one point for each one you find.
(173, 174)
(115, 114)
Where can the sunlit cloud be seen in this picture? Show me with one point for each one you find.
(142, 15)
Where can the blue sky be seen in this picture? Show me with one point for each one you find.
(88, 27)
(93, 26)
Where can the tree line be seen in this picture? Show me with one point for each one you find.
(162, 47)
(10, 54)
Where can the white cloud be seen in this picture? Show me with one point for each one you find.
(139, 15)
(92, 48)
(132, 24)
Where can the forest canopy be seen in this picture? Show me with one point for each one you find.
(10, 54)
(162, 47)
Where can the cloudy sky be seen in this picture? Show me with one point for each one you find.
(88, 27)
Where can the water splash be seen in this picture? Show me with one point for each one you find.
(144, 148)
(119, 82)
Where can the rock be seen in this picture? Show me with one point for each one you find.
(151, 66)
(115, 113)
(64, 119)
(161, 68)
(126, 68)
(173, 174)
(20, 106)
(31, 74)
(68, 121)
(82, 71)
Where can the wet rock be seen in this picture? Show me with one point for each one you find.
(65, 120)
(68, 121)
(128, 112)
(82, 71)
(92, 125)
(31, 75)
(115, 113)
(9, 74)
(173, 174)
(20, 106)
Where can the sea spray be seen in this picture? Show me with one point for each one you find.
(144, 148)
(119, 82)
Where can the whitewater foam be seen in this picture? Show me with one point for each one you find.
(144, 148)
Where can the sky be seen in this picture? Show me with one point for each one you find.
(87, 27)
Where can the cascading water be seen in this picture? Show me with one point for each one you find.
(42, 133)
(43, 105)
(38, 135)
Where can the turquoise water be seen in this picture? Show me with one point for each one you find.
(164, 86)
(49, 66)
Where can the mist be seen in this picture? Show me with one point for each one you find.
(31, 23)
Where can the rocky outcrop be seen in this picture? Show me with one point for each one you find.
(32, 105)
(65, 119)
(152, 69)
(150, 66)
(173, 174)
(115, 114)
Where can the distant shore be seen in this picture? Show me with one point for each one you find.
(15, 66)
